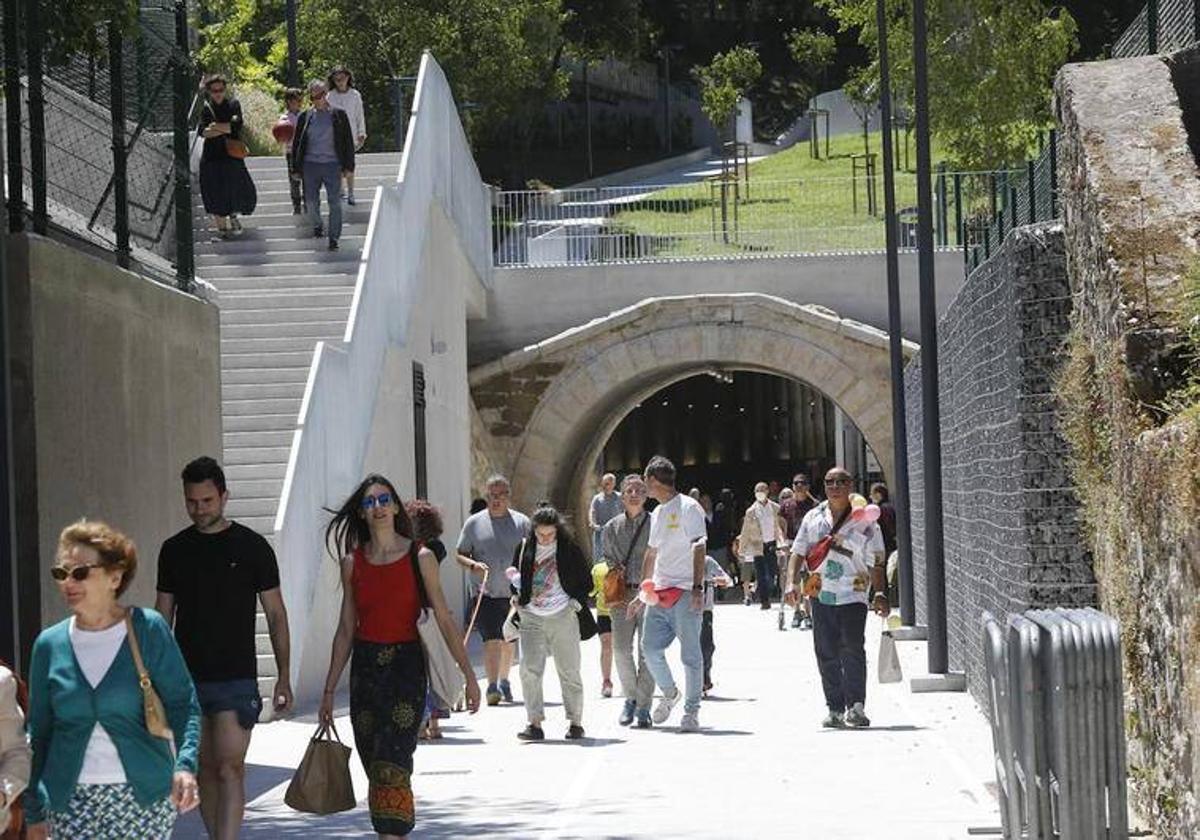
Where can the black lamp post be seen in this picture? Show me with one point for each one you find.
(899, 480)
(935, 561)
(293, 73)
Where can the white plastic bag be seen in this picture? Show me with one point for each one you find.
(889, 660)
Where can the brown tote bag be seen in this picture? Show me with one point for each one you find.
(322, 783)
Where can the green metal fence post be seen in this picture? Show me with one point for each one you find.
(1031, 175)
(1152, 26)
(958, 214)
(1012, 200)
(120, 192)
(12, 111)
(184, 260)
(35, 37)
(1053, 174)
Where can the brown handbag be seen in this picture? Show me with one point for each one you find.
(322, 783)
(152, 705)
(236, 148)
(614, 581)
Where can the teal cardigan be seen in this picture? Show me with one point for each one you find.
(64, 708)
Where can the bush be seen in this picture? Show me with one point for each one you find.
(260, 110)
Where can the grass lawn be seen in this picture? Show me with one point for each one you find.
(792, 203)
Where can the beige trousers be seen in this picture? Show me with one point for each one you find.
(557, 636)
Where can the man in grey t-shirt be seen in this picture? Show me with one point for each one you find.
(489, 540)
(605, 505)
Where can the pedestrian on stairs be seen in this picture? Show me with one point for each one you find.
(285, 127)
(343, 94)
(322, 152)
(225, 183)
(211, 579)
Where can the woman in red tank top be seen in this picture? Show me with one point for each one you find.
(386, 579)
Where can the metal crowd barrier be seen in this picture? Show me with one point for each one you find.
(1057, 715)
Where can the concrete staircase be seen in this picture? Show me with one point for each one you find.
(281, 291)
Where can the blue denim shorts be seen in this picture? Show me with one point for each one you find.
(239, 696)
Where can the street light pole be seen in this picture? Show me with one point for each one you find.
(899, 480)
(935, 561)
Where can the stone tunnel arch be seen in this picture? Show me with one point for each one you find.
(548, 410)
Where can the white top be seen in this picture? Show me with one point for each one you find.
(675, 528)
(846, 571)
(351, 103)
(766, 521)
(95, 651)
(548, 596)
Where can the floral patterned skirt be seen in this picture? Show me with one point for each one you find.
(110, 812)
(387, 702)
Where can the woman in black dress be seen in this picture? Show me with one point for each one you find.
(225, 184)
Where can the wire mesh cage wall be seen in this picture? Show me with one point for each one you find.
(1161, 26)
(78, 118)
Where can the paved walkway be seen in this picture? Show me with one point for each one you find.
(762, 767)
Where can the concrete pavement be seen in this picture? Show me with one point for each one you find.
(761, 767)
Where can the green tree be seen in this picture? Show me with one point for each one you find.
(724, 80)
(812, 49)
(991, 63)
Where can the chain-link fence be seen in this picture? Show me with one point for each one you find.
(1161, 26)
(98, 140)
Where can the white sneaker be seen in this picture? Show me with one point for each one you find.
(690, 722)
(665, 706)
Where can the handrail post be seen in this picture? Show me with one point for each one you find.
(12, 110)
(37, 113)
(116, 89)
(184, 258)
(1031, 167)
(1053, 173)
(1152, 26)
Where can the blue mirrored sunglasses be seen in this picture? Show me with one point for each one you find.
(372, 502)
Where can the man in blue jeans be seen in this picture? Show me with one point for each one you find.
(853, 566)
(674, 561)
(322, 153)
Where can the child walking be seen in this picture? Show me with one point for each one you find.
(714, 576)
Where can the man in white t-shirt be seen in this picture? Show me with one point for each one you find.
(674, 561)
(839, 586)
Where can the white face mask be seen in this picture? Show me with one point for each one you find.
(761, 496)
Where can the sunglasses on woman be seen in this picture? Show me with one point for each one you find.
(372, 502)
(78, 573)
(838, 482)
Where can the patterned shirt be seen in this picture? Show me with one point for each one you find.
(846, 570)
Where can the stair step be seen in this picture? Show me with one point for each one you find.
(276, 242)
(318, 297)
(286, 316)
(296, 256)
(259, 361)
(268, 406)
(257, 454)
(266, 664)
(294, 282)
(239, 508)
(216, 273)
(280, 212)
(260, 438)
(268, 344)
(327, 330)
(259, 422)
(255, 488)
(265, 390)
(262, 644)
(255, 472)
(260, 623)
(252, 376)
(264, 525)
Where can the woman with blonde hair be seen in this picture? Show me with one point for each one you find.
(98, 771)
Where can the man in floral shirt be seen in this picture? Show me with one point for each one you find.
(839, 586)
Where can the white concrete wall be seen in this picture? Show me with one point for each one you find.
(853, 285)
(116, 385)
(426, 265)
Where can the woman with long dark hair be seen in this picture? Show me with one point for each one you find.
(225, 183)
(555, 582)
(387, 578)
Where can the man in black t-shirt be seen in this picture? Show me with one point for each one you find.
(211, 577)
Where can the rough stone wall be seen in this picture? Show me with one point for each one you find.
(1012, 538)
(1132, 412)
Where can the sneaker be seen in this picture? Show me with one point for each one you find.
(493, 695)
(856, 718)
(532, 732)
(765, 607)
(665, 706)
(333, 244)
(833, 720)
(806, 623)
(627, 711)
(505, 690)
(797, 620)
(606, 689)
(574, 733)
(297, 209)
(318, 232)
(643, 719)
(690, 722)
(350, 199)
(235, 224)
(747, 601)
